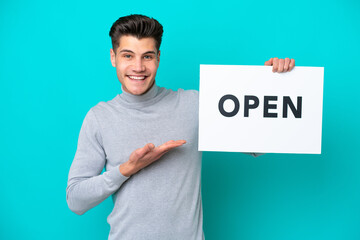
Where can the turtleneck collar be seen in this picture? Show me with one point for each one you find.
(131, 98)
(154, 94)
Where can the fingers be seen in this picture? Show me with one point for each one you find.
(286, 64)
(146, 155)
(171, 144)
(292, 64)
(269, 62)
(156, 153)
(160, 150)
(275, 65)
(141, 152)
(281, 65)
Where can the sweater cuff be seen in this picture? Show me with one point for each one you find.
(116, 177)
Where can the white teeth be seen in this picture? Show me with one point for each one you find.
(137, 78)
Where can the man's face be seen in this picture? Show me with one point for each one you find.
(136, 61)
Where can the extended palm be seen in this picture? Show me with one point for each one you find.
(146, 155)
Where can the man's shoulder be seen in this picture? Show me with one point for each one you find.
(104, 106)
(187, 93)
(188, 99)
(190, 92)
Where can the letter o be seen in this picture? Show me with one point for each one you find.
(221, 105)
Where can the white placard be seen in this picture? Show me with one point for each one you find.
(277, 112)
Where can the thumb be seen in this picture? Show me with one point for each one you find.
(144, 150)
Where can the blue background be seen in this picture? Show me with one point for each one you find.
(54, 66)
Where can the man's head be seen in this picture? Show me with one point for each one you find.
(138, 26)
(136, 41)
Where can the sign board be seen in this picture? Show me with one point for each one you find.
(252, 109)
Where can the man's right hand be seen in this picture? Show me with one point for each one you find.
(146, 155)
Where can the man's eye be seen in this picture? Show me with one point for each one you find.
(127, 56)
(148, 57)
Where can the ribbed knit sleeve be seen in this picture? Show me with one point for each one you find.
(86, 186)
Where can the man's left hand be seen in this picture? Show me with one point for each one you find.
(281, 65)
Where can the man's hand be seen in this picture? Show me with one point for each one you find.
(281, 65)
(146, 155)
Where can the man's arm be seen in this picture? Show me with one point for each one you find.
(279, 65)
(86, 187)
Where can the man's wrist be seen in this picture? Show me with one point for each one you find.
(125, 169)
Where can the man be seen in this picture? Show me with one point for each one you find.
(146, 138)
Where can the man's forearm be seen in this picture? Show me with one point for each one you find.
(84, 193)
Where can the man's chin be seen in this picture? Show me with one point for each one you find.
(138, 91)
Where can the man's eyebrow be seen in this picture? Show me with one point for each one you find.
(129, 51)
(126, 50)
(150, 52)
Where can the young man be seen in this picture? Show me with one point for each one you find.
(155, 195)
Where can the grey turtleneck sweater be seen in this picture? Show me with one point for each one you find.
(161, 201)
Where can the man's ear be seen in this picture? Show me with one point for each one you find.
(112, 57)
(158, 56)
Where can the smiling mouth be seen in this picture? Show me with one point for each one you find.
(137, 77)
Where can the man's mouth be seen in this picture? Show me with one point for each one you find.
(136, 77)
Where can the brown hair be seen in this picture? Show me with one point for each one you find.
(136, 25)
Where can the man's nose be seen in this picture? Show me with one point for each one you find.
(139, 66)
